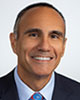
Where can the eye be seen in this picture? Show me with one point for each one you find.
(33, 35)
(54, 36)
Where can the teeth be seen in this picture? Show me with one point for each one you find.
(42, 58)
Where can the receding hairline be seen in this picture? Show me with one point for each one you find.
(40, 9)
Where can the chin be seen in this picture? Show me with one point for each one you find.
(43, 73)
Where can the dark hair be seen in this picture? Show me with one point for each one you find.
(22, 12)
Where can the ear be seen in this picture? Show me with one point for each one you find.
(13, 41)
(64, 45)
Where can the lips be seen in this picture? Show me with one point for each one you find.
(42, 58)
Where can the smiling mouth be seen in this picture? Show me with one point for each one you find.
(43, 58)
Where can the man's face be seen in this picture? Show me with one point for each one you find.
(40, 44)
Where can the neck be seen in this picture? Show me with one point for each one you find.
(35, 82)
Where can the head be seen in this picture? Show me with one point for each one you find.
(38, 39)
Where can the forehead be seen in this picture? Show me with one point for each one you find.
(41, 16)
(40, 11)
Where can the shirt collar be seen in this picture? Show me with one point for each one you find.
(25, 92)
(47, 91)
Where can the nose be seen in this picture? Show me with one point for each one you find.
(44, 45)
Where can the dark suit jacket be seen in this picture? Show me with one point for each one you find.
(65, 88)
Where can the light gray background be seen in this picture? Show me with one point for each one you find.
(70, 63)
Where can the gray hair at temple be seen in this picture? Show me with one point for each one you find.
(22, 12)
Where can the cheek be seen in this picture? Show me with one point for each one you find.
(27, 44)
(27, 47)
(58, 47)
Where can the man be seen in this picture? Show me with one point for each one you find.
(39, 42)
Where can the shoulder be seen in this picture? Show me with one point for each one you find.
(67, 84)
(65, 80)
(8, 89)
(7, 78)
(6, 81)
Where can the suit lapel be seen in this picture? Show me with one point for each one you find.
(10, 92)
(61, 92)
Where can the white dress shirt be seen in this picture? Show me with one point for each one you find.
(26, 92)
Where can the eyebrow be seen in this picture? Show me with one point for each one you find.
(57, 33)
(40, 31)
(33, 30)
